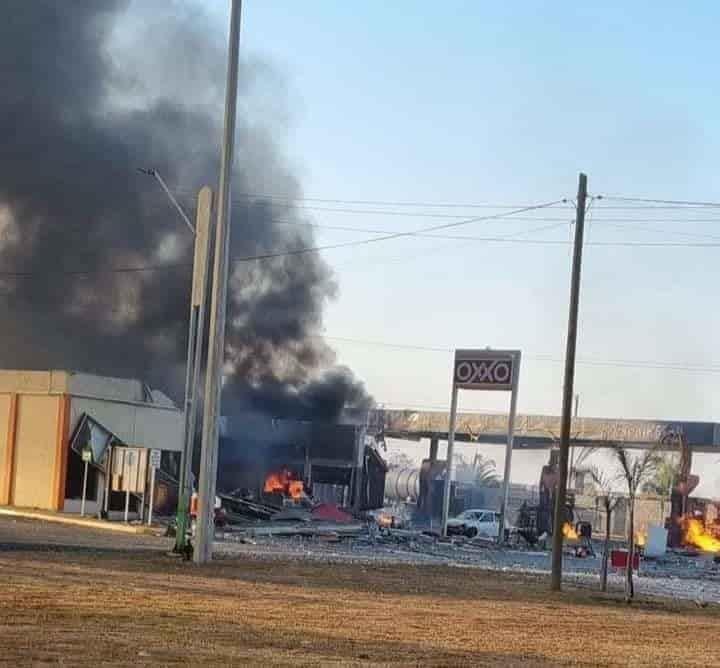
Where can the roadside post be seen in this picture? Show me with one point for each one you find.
(493, 370)
(108, 481)
(87, 458)
(154, 464)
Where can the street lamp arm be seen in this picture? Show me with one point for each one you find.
(154, 173)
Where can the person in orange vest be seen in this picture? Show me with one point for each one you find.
(220, 517)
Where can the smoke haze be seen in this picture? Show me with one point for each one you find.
(92, 90)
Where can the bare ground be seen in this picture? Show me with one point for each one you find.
(79, 597)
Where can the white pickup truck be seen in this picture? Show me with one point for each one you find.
(475, 522)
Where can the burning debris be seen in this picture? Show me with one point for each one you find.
(384, 520)
(285, 483)
(695, 534)
(569, 532)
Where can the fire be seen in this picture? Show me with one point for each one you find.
(285, 482)
(295, 488)
(641, 538)
(695, 534)
(569, 532)
(384, 520)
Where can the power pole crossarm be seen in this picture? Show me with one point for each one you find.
(567, 405)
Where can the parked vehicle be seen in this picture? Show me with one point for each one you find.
(475, 522)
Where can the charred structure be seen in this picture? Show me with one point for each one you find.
(331, 463)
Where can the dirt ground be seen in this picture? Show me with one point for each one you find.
(79, 597)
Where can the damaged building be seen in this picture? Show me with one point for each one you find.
(333, 463)
(49, 418)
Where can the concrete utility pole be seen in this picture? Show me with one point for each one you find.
(508, 450)
(193, 369)
(449, 463)
(216, 341)
(556, 572)
(196, 330)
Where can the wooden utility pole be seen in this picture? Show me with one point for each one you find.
(572, 445)
(557, 545)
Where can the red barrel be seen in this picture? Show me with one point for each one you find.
(618, 559)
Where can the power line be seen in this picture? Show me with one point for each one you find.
(451, 205)
(361, 242)
(654, 230)
(297, 251)
(423, 232)
(435, 250)
(300, 202)
(674, 202)
(642, 364)
(385, 212)
(426, 214)
(514, 219)
(395, 235)
(561, 221)
(367, 202)
(87, 272)
(405, 214)
(394, 405)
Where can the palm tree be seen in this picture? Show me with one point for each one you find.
(610, 500)
(482, 471)
(635, 471)
(400, 460)
(485, 471)
(664, 480)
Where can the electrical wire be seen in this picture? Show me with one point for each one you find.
(514, 219)
(435, 250)
(647, 200)
(374, 203)
(387, 236)
(395, 235)
(641, 364)
(361, 242)
(287, 253)
(106, 270)
(651, 230)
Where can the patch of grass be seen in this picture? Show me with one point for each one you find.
(124, 606)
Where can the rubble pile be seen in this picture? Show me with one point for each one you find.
(364, 542)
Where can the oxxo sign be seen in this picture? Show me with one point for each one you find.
(494, 373)
(487, 369)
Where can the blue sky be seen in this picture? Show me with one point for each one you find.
(474, 102)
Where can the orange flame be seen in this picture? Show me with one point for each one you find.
(641, 538)
(569, 532)
(285, 483)
(695, 534)
(384, 520)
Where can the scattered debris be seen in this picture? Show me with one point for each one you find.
(330, 513)
(240, 508)
(292, 514)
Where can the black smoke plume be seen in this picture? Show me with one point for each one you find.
(90, 91)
